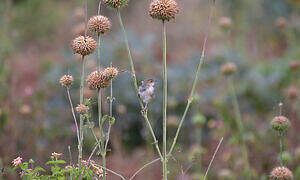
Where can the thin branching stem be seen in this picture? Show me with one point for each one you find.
(111, 99)
(190, 99)
(165, 99)
(73, 113)
(239, 122)
(280, 156)
(143, 167)
(212, 159)
(144, 113)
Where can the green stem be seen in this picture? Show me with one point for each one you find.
(103, 153)
(135, 83)
(239, 122)
(280, 156)
(190, 99)
(165, 94)
(81, 117)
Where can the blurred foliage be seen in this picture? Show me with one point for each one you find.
(35, 118)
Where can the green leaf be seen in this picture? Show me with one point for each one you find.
(104, 119)
(38, 168)
(56, 162)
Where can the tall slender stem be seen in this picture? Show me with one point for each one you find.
(81, 117)
(136, 86)
(239, 122)
(165, 94)
(73, 113)
(111, 99)
(190, 99)
(280, 155)
(143, 167)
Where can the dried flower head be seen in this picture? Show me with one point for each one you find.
(281, 173)
(292, 92)
(111, 72)
(294, 65)
(78, 29)
(116, 3)
(68, 167)
(82, 109)
(17, 161)
(97, 80)
(99, 24)
(56, 155)
(280, 22)
(225, 22)
(280, 124)
(83, 45)
(163, 9)
(66, 80)
(228, 68)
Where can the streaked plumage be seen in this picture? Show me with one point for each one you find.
(146, 90)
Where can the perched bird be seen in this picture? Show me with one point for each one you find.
(146, 91)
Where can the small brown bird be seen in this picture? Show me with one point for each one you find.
(146, 91)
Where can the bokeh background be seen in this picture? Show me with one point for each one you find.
(261, 37)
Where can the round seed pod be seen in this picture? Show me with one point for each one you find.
(83, 45)
(294, 65)
(99, 24)
(111, 72)
(97, 80)
(281, 22)
(164, 10)
(281, 173)
(116, 3)
(82, 109)
(66, 80)
(292, 92)
(280, 124)
(228, 68)
(225, 22)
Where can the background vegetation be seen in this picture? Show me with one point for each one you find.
(263, 40)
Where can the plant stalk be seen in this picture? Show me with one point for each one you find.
(81, 117)
(165, 94)
(135, 84)
(239, 122)
(280, 156)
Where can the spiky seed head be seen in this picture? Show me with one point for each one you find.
(82, 109)
(228, 68)
(163, 9)
(280, 22)
(116, 3)
(292, 92)
(111, 72)
(294, 65)
(280, 124)
(78, 29)
(66, 80)
(225, 22)
(281, 173)
(83, 45)
(99, 24)
(97, 80)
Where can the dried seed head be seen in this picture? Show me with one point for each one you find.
(294, 65)
(228, 68)
(66, 80)
(83, 45)
(116, 3)
(281, 173)
(99, 24)
(280, 22)
(225, 22)
(111, 72)
(97, 80)
(163, 9)
(280, 124)
(82, 109)
(78, 29)
(292, 92)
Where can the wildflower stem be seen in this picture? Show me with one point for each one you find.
(135, 84)
(165, 94)
(280, 156)
(73, 113)
(143, 167)
(81, 116)
(213, 157)
(110, 112)
(190, 99)
(239, 122)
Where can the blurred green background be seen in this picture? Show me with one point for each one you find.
(260, 36)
